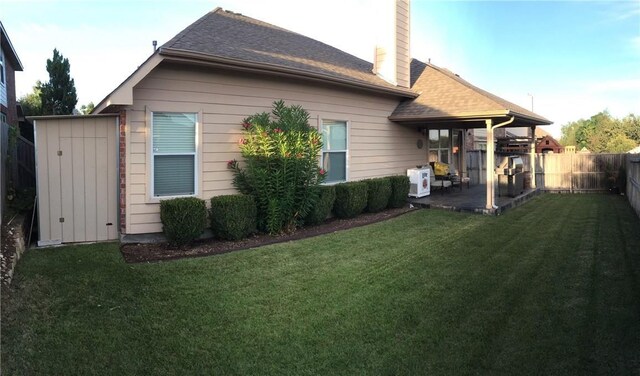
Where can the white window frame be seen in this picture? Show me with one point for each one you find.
(151, 197)
(346, 151)
(440, 148)
(3, 71)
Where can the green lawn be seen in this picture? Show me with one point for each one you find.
(549, 288)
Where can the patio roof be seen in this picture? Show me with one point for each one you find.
(445, 100)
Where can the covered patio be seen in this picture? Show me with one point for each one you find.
(447, 108)
(472, 199)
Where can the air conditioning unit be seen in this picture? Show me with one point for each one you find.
(420, 180)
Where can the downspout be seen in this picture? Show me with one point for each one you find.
(491, 197)
(532, 157)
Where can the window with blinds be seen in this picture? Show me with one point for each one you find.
(334, 150)
(174, 154)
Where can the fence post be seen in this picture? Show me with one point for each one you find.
(571, 174)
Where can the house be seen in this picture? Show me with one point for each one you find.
(175, 122)
(548, 144)
(9, 64)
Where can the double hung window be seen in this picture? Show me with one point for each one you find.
(334, 150)
(173, 154)
(439, 145)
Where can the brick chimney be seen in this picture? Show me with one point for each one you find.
(392, 56)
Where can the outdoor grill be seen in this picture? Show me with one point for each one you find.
(510, 176)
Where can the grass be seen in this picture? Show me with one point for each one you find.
(548, 288)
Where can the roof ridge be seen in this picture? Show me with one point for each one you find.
(492, 97)
(261, 22)
(176, 38)
(257, 21)
(466, 83)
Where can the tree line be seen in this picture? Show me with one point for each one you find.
(603, 133)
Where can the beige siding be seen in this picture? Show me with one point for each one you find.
(377, 147)
(77, 161)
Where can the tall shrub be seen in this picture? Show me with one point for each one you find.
(183, 219)
(233, 217)
(280, 152)
(322, 208)
(378, 192)
(351, 199)
(399, 191)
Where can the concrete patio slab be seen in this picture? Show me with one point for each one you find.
(472, 199)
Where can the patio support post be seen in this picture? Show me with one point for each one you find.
(532, 157)
(490, 164)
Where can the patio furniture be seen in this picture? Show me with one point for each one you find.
(439, 181)
(458, 180)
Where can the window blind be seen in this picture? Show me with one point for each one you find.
(173, 175)
(334, 135)
(174, 154)
(174, 133)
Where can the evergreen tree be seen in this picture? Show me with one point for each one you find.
(58, 96)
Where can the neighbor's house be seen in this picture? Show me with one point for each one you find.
(545, 143)
(9, 64)
(169, 129)
(548, 144)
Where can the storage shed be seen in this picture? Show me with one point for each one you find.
(77, 178)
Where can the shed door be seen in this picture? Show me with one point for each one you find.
(77, 179)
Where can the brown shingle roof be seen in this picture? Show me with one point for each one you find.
(234, 37)
(444, 94)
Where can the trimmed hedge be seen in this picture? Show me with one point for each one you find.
(183, 219)
(323, 206)
(233, 217)
(351, 199)
(378, 193)
(399, 191)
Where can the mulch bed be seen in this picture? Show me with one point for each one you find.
(133, 253)
(7, 252)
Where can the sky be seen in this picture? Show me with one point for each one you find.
(569, 59)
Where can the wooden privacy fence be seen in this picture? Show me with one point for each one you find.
(17, 163)
(4, 150)
(578, 172)
(24, 162)
(633, 181)
(477, 166)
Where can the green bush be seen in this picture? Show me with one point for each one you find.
(351, 199)
(280, 168)
(378, 193)
(183, 219)
(399, 191)
(233, 217)
(324, 204)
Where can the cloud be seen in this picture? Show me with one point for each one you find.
(630, 85)
(622, 10)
